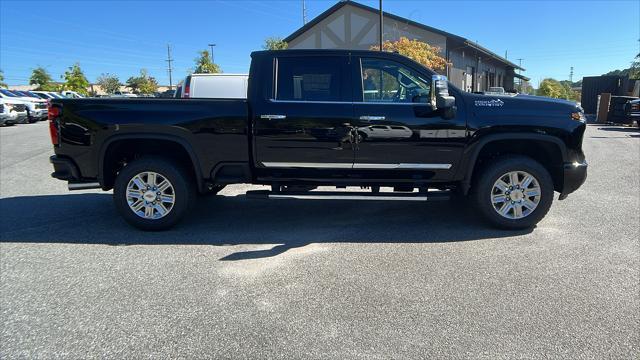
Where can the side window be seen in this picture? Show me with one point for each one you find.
(310, 79)
(389, 81)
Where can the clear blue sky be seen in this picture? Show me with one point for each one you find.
(120, 37)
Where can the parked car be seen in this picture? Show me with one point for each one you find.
(123, 94)
(36, 107)
(508, 153)
(632, 109)
(47, 94)
(215, 86)
(38, 111)
(178, 93)
(167, 94)
(72, 94)
(12, 111)
(42, 94)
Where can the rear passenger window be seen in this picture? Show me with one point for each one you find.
(310, 79)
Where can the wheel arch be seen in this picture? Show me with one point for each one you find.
(550, 152)
(182, 151)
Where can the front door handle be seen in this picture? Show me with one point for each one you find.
(273, 117)
(371, 118)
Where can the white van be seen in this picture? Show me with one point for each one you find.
(219, 86)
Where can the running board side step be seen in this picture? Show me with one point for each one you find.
(83, 185)
(336, 195)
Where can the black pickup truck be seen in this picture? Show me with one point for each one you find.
(372, 120)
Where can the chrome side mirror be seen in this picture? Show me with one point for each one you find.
(440, 98)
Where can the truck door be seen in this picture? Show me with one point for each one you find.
(419, 141)
(305, 123)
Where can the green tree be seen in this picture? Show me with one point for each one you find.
(75, 80)
(142, 84)
(204, 65)
(41, 78)
(2, 83)
(569, 93)
(109, 83)
(274, 43)
(551, 88)
(634, 72)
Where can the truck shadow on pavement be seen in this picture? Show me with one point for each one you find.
(237, 220)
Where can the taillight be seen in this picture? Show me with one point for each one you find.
(53, 112)
(185, 93)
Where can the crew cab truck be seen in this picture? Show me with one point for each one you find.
(304, 124)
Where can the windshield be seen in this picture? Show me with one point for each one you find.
(55, 95)
(8, 93)
(42, 95)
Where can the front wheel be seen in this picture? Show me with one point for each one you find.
(513, 192)
(153, 194)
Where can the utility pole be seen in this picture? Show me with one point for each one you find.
(304, 12)
(571, 76)
(505, 54)
(211, 46)
(381, 40)
(169, 68)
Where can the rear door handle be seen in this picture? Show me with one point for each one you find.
(371, 118)
(273, 117)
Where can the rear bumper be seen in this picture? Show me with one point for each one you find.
(64, 169)
(575, 174)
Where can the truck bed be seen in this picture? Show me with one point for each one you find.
(214, 130)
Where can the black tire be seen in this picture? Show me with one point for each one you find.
(184, 191)
(483, 186)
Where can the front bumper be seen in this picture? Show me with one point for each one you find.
(38, 114)
(575, 174)
(21, 118)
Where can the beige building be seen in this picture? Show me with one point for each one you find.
(350, 25)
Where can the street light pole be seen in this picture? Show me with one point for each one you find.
(211, 46)
(381, 25)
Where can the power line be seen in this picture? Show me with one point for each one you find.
(169, 68)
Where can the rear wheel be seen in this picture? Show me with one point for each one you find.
(513, 192)
(153, 194)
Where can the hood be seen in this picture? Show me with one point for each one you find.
(544, 99)
(521, 102)
(521, 109)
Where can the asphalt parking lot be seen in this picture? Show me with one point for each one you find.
(304, 279)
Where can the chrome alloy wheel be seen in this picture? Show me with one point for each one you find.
(515, 195)
(150, 195)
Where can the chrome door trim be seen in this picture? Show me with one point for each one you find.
(273, 117)
(402, 166)
(372, 118)
(271, 164)
(357, 166)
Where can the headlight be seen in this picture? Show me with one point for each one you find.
(578, 116)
